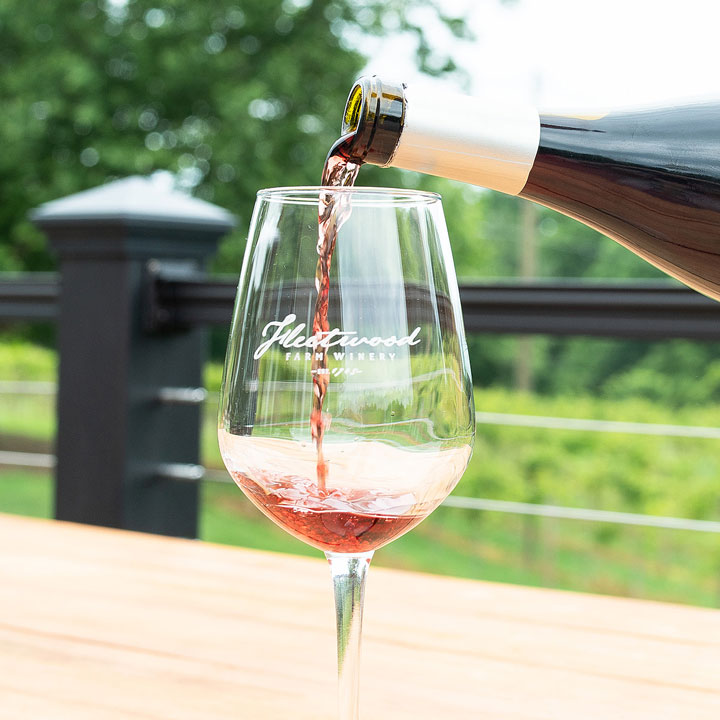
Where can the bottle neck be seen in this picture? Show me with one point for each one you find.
(373, 120)
(468, 139)
(453, 136)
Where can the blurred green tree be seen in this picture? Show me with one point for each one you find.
(229, 95)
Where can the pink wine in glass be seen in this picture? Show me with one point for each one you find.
(326, 520)
(377, 492)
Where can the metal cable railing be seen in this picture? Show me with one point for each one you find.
(553, 511)
(176, 302)
(12, 387)
(27, 387)
(27, 459)
(611, 426)
(196, 473)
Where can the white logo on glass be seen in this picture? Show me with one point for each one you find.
(289, 337)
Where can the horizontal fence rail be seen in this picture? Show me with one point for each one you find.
(29, 296)
(642, 311)
(554, 511)
(27, 387)
(197, 473)
(199, 395)
(590, 425)
(27, 459)
(590, 515)
(639, 310)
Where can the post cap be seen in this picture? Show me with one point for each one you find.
(134, 200)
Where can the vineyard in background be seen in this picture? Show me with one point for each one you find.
(655, 474)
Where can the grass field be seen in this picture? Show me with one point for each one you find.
(646, 474)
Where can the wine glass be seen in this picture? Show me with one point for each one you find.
(346, 413)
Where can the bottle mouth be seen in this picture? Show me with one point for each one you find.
(374, 116)
(351, 117)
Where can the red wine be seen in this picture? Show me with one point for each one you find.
(649, 179)
(333, 210)
(328, 520)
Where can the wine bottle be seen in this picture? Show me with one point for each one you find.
(649, 179)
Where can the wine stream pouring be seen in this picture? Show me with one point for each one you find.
(649, 179)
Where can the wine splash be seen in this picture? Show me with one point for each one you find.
(333, 210)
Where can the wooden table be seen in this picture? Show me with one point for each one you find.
(101, 624)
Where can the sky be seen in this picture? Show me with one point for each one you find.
(577, 54)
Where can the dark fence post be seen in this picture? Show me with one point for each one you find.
(128, 419)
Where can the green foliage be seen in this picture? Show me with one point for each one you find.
(229, 96)
(564, 247)
(31, 416)
(611, 471)
(213, 376)
(674, 373)
(22, 361)
(26, 492)
(206, 90)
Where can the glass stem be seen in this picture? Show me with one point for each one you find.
(348, 575)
